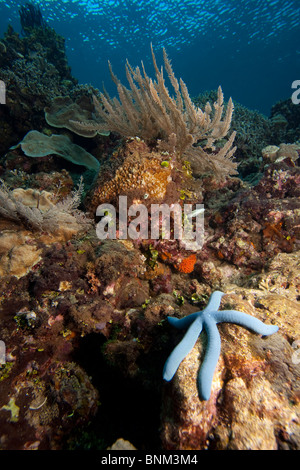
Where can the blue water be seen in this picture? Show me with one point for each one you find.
(249, 47)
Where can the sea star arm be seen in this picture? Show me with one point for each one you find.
(182, 349)
(206, 373)
(208, 318)
(185, 322)
(213, 305)
(214, 301)
(245, 320)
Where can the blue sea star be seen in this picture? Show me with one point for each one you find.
(208, 319)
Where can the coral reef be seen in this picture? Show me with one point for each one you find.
(257, 409)
(85, 320)
(272, 153)
(43, 394)
(62, 219)
(18, 253)
(148, 111)
(35, 71)
(133, 170)
(285, 117)
(254, 131)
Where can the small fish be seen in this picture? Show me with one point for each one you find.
(195, 213)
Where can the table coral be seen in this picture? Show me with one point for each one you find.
(36, 144)
(63, 111)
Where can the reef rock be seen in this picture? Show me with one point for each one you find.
(18, 253)
(255, 399)
(122, 444)
(47, 400)
(272, 153)
(133, 171)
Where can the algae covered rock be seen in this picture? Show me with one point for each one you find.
(254, 404)
(18, 253)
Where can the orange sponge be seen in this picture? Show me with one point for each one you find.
(187, 265)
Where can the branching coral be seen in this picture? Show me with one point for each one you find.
(147, 110)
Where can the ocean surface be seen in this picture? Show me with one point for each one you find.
(249, 47)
